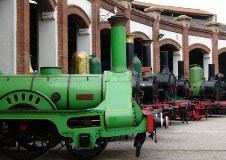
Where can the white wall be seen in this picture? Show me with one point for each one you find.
(8, 23)
(221, 44)
(172, 35)
(105, 14)
(48, 41)
(177, 56)
(135, 26)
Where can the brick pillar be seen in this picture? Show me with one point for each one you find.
(214, 26)
(185, 51)
(95, 27)
(23, 37)
(155, 13)
(215, 51)
(185, 22)
(62, 36)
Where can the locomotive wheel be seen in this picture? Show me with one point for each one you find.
(27, 140)
(100, 146)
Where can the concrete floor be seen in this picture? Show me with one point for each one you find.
(197, 140)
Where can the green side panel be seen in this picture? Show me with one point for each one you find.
(118, 48)
(48, 85)
(118, 111)
(0, 72)
(85, 91)
(75, 91)
(196, 78)
(25, 99)
(11, 82)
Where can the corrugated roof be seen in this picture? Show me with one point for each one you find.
(173, 8)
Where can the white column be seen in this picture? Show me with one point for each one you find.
(48, 41)
(8, 21)
(84, 40)
(177, 56)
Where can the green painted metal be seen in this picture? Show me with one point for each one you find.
(137, 64)
(94, 65)
(196, 78)
(50, 71)
(60, 118)
(118, 43)
(25, 99)
(119, 115)
(138, 112)
(76, 91)
(118, 111)
(0, 72)
(70, 96)
(118, 49)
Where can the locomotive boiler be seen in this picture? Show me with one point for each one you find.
(39, 110)
(205, 89)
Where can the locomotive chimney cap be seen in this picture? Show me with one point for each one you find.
(118, 20)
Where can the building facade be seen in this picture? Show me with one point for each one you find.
(47, 33)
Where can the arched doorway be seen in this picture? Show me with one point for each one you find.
(173, 49)
(34, 36)
(196, 57)
(72, 39)
(105, 39)
(199, 54)
(138, 49)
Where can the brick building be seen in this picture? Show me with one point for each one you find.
(48, 32)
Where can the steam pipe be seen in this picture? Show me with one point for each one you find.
(180, 70)
(118, 43)
(146, 51)
(211, 72)
(164, 57)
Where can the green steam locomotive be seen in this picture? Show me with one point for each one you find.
(38, 111)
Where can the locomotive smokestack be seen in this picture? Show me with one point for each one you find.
(211, 72)
(164, 57)
(118, 43)
(146, 51)
(130, 50)
(180, 69)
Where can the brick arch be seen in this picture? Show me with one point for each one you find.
(202, 47)
(222, 50)
(104, 25)
(47, 5)
(141, 35)
(81, 17)
(169, 41)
